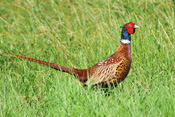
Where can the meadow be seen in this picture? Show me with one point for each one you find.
(80, 33)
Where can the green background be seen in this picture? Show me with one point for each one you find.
(80, 33)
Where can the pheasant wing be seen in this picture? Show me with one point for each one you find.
(105, 71)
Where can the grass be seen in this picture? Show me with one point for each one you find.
(80, 33)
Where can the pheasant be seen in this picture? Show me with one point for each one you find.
(111, 70)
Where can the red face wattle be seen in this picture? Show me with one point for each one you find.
(130, 27)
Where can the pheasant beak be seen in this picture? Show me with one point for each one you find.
(135, 26)
(121, 26)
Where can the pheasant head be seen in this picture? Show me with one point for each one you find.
(127, 30)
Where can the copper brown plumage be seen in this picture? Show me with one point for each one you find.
(108, 71)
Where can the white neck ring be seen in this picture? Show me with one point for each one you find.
(123, 41)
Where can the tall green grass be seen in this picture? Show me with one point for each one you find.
(80, 33)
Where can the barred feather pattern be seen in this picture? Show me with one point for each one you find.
(105, 71)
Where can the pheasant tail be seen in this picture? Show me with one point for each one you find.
(69, 70)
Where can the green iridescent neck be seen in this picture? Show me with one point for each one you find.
(125, 37)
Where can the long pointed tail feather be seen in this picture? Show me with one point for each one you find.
(63, 68)
(80, 74)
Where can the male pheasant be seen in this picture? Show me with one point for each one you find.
(108, 71)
